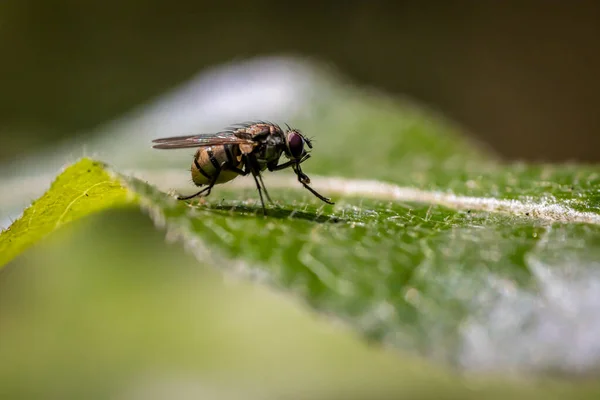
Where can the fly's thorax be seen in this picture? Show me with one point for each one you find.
(263, 128)
(267, 154)
(208, 161)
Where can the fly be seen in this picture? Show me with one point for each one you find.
(244, 149)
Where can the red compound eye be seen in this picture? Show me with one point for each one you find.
(295, 144)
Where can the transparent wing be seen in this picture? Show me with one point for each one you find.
(216, 139)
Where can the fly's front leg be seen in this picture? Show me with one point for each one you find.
(287, 164)
(305, 180)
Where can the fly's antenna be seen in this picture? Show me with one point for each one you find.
(307, 140)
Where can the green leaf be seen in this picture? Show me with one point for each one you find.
(433, 247)
(421, 271)
(82, 189)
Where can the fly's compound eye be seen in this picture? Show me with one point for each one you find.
(295, 144)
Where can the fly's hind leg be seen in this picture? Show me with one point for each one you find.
(193, 195)
(205, 191)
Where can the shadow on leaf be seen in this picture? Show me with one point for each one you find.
(280, 213)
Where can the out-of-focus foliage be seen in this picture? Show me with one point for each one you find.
(519, 75)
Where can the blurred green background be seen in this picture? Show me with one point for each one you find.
(90, 314)
(521, 76)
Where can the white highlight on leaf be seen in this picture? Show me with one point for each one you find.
(372, 189)
(555, 328)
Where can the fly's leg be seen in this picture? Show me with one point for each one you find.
(230, 164)
(264, 188)
(207, 189)
(302, 177)
(320, 196)
(225, 165)
(287, 164)
(304, 180)
(237, 170)
(193, 195)
(249, 166)
(257, 170)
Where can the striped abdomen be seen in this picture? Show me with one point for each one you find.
(210, 161)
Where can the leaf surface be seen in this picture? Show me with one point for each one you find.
(80, 190)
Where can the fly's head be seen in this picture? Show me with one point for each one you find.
(296, 151)
(294, 145)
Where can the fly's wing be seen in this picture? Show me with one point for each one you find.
(216, 139)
